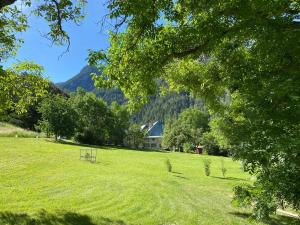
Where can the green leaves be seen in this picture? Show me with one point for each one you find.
(12, 21)
(187, 129)
(21, 86)
(58, 116)
(240, 57)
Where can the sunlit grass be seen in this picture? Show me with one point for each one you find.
(43, 182)
(8, 130)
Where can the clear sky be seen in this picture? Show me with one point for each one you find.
(89, 35)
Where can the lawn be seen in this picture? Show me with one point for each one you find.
(42, 182)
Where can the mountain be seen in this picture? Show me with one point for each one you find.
(83, 79)
(159, 107)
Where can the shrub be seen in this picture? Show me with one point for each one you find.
(168, 165)
(223, 169)
(188, 147)
(253, 196)
(207, 163)
(211, 146)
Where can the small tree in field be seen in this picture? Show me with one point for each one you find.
(223, 169)
(207, 163)
(57, 116)
(168, 165)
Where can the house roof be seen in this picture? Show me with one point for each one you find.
(156, 130)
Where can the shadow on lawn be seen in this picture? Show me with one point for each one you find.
(278, 220)
(46, 218)
(230, 178)
(179, 175)
(110, 147)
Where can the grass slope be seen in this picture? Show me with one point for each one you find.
(42, 182)
(8, 130)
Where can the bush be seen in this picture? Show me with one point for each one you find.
(223, 169)
(134, 137)
(211, 146)
(207, 163)
(188, 147)
(168, 165)
(253, 196)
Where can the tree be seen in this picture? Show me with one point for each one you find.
(186, 130)
(211, 146)
(241, 57)
(30, 117)
(119, 124)
(94, 118)
(21, 86)
(134, 136)
(17, 89)
(58, 116)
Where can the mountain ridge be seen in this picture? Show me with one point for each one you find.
(158, 108)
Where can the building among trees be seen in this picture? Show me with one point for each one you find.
(153, 137)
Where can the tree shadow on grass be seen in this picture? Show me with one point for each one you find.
(103, 147)
(176, 172)
(182, 177)
(274, 220)
(230, 178)
(46, 218)
(179, 175)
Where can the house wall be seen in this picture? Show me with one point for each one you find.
(152, 143)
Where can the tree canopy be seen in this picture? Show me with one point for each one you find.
(20, 86)
(186, 130)
(241, 57)
(58, 117)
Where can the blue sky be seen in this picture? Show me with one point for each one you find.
(89, 35)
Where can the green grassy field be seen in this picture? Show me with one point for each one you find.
(42, 182)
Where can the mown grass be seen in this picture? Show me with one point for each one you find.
(8, 130)
(43, 182)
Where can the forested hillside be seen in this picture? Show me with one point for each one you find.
(158, 108)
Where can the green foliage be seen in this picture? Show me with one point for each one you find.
(168, 165)
(164, 107)
(94, 118)
(188, 147)
(134, 136)
(119, 123)
(206, 163)
(12, 21)
(263, 202)
(188, 128)
(30, 118)
(223, 168)
(242, 57)
(211, 146)
(21, 86)
(160, 107)
(57, 116)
